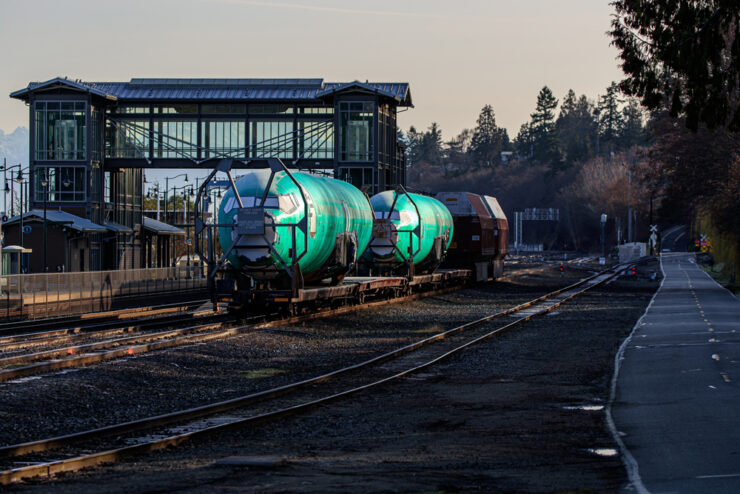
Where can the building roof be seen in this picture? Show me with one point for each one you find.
(117, 227)
(221, 89)
(16, 248)
(59, 82)
(60, 218)
(159, 228)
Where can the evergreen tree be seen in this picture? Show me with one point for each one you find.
(682, 56)
(486, 143)
(412, 140)
(610, 120)
(524, 143)
(430, 149)
(633, 132)
(576, 128)
(542, 127)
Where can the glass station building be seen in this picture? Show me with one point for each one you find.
(90, 141)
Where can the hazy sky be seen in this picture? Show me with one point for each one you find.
(457, 55)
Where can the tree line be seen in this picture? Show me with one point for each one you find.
(581, 130)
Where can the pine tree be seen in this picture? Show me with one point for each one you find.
(610, 120)
(576, 128)
(682, 56)
(431, 145)
(633, 132)
(412, 141)
(542, 126)
(524, 144)
(486, 143)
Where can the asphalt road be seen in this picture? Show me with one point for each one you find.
(677, 393)
(675, 239)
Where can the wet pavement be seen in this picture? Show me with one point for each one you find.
(677, 395)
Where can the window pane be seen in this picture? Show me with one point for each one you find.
(223, 138)
(271, 139)
(60, 131)
(187, 108)
(270, 109)
(223, 108)
(355, 131)
(63, 184)
(127, 139)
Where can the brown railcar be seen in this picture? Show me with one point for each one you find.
(481, 235)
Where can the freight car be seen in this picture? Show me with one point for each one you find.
(280, 230)
(481, 237)
(291, 240)
(411, 233)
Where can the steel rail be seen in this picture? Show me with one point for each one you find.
(107, 456)
(91, 318)
(107, 327)
(205, 332)
(26, 358)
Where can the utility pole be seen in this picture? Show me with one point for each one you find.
(629, 205)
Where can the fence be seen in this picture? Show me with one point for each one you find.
(31, 296)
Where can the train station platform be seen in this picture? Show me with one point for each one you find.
(677, 393)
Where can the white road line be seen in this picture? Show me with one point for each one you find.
(725, 476)
(630, 464)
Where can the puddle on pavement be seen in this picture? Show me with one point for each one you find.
(586, 408)
(603, 451)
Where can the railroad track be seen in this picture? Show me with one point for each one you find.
(112, 443)
(80, 322)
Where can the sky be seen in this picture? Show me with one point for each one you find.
(456, 56)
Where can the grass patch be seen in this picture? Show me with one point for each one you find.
(261, 373)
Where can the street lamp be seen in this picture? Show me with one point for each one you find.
(603, 239)
(19, 179)
(8, 188)
(188, 240)
(166, 204)
(45, 184)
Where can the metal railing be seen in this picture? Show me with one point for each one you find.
(32, 296)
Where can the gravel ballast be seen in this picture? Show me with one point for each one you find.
(503, 415)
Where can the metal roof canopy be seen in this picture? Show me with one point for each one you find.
(154, 89)
(159, 228)
(59, 218)
(117, 227)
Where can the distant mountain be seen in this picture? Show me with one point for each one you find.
(14, 146)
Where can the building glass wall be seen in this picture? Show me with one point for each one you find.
(60, 130)
(60, 184)
(223, 138)
(316, 139)
(355, 131)
(271, 139)
(357, 176)
(175, 139)
(127, 139)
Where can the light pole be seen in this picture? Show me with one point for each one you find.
(603, 238)
(9, 188)
(166, 204)
(188, 240)
(154, 192)
(19, 179)
(45, 184)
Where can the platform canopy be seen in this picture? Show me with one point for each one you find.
(60, 218)
(158, 228)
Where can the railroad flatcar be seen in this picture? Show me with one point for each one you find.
(289, 228)
(411, 233)
(481, 237)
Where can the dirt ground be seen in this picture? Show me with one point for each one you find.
(522, 412)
